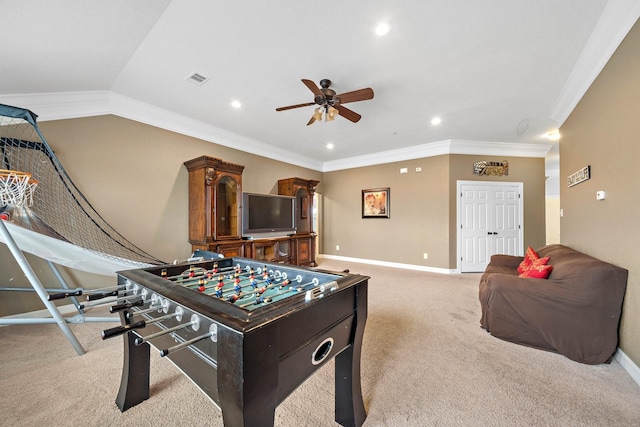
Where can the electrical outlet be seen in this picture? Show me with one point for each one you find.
(425, 255)
(337, 247)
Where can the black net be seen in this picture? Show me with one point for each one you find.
(56, 200)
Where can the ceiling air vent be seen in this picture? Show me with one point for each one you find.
(197, 79)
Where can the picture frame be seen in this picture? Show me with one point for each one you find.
(376, 203)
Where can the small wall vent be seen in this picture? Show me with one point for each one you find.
(197, 79)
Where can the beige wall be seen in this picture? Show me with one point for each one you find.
(552, 219)
(133, 175)
(419, 213)
(604, 131)
(423, 208)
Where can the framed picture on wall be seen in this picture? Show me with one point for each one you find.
(375, 203)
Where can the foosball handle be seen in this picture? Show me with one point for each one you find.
(62, 295)
(119, 330)
(125, 305)
(100, 295)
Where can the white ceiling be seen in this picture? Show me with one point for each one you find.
(484, 67)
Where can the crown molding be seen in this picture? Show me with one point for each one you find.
(450, 146)
(69, 105)
(615, 22)
(58, 106)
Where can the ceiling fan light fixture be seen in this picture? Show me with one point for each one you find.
(317, 116)
(326, 99)
(331, 113)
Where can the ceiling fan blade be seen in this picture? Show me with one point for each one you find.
(348, 114)
(306, 104)
(356, 95)
(313, 87)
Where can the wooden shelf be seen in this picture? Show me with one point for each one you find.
(215, 199)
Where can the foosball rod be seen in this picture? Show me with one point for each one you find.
(298, 289)
(194, 321)
(155, 306)
(185, 344)
(119, 330)
(202, 271)
(232, 286)
(207, 274)
(109, 300)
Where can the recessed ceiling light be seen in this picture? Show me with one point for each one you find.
(330, 146)
(383, 29)
(554, 135)
(436, 121)
(236, 104)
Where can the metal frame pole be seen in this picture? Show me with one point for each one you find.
(64, 284)
(37, 286)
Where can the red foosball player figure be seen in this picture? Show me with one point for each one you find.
(285, 283)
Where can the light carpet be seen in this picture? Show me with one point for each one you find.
(425, 362)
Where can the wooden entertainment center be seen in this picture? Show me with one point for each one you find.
(215, 215)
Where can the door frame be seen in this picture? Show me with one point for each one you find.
(459, 185)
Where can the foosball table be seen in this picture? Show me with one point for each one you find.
(247, 333)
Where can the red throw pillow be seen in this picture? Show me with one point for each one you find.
(539, 269)
(529, 257)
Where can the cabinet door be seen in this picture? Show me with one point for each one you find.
(226, 217)
(264, 250)
(230, 249)
(304, 251)
(285, 249)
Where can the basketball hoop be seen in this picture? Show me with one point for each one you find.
(16, 188)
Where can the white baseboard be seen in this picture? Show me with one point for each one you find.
(390, 264)
(632, 369)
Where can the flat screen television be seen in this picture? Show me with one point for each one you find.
(267, 215)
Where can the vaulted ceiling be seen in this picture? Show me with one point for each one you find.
(493, 71)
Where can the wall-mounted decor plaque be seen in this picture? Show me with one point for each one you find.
(491, 168)
(579, 176)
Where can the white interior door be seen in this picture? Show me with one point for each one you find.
(490, 221)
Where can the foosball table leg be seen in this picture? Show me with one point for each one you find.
(350, 410)
(134, 386)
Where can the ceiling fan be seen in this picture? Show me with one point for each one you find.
(330, 103)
